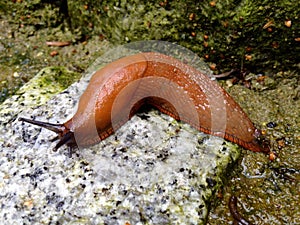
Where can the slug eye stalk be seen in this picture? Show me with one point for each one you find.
(57, 128)
(65, 135)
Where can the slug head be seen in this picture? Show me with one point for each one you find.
(65, 135)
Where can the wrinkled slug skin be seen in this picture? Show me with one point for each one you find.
(96, 104)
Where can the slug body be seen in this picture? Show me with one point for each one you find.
(117, 91)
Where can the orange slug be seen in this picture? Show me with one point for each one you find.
(118, 90)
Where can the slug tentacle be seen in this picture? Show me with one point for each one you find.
(68, 139)
(64, 134)
(57, 128)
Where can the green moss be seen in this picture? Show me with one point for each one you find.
(37, 13)
(234, 29)
(25, 27)
(48, 82)
(57, 76)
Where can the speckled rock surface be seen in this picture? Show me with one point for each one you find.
(154, 170)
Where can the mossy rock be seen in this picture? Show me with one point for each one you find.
(254, 35)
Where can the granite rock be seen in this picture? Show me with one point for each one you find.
(153, 170)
